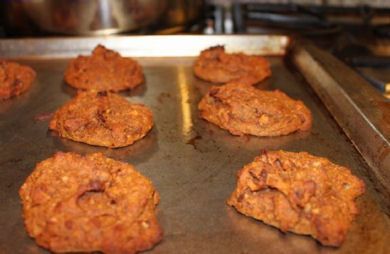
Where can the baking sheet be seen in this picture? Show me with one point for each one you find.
(191, 162)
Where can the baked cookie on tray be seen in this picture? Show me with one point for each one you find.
(243, 109)
(299, 192)
(75, 203)
(14, 79)
(104, 70)
(217, 66)
(102, 119)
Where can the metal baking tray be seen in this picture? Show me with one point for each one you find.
(192, 163)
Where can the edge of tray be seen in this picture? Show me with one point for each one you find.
(355, 105)
(143, 46)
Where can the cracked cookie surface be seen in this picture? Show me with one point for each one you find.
(75, 203)
(299, 192)
(243, 109)
(102, 119)
(104, 70)
(14, 79)
(217, 66)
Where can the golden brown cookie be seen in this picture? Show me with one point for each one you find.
(243, 109)
(74, 203)
(102, 119)
(14, 79)
(104, 70)
(217, 66)
(299, 192)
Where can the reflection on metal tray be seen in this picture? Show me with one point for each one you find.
(142, 46)
(192, 163)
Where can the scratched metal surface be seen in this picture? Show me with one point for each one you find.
(191, 162)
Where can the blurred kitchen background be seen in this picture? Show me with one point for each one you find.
(356, 31)
(21, 18)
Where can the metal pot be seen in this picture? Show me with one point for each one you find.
(180, 13)
(84, 17)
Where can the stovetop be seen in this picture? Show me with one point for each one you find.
(359, 36)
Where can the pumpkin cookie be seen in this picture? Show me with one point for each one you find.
(102, 119)
(14, 79)
(299, 192)
(217, 66)
(104, 70)
(74, 203)
(243, 109)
